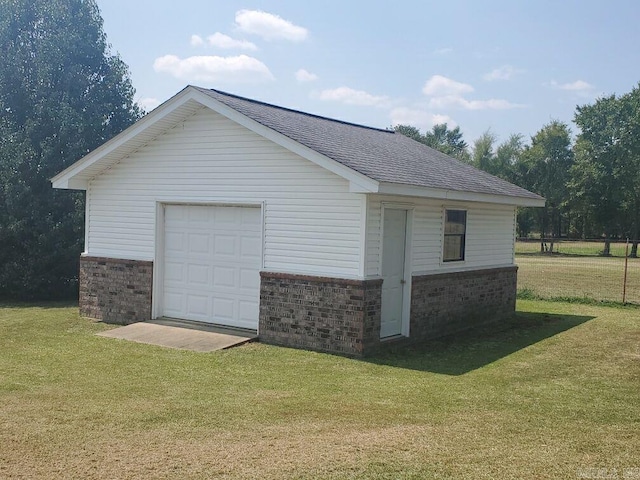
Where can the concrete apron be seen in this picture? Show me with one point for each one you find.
(184, 335)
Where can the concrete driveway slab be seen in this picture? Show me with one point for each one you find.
(196, 338)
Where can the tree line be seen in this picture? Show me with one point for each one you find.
(62, 94)
(591, 182)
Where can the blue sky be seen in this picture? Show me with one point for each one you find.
(509, 66)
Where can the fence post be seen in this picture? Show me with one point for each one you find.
(624, 282)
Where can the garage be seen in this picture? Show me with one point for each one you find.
(212, 260)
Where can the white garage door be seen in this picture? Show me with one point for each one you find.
(212, 261)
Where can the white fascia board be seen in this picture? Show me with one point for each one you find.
(440, 193)
(65, 179)
(358, 183)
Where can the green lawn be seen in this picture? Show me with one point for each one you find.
(571, 247)
(547, 396)
(598, 278)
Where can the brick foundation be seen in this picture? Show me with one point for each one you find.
(317, 313)
(450, 302)
(114, 290)
(326, 314)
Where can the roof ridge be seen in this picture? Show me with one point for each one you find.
(293, 110)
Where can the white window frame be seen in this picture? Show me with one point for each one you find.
(461, 261)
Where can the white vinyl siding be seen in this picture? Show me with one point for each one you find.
(311, 221)
(489, 235)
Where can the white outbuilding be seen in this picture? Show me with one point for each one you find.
(315, 232)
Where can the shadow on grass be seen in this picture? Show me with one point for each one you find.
(467, 351)
(45, 304)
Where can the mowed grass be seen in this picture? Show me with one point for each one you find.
(571, 247)
(598, 278)
(546, 396)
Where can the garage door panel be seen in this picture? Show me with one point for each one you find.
(174, 303)
(225, 246)
(249, 218)
(249, 279)
(212, 262)
(196, 213)
(174, 272)
(197, 305)
(174, 241)
(174, 214)
(198, 243)
(223, 308)
(250, 248)
(224, 276)
(198, 275)
(228, 216)
(248, 310)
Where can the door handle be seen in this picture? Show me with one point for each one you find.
(403, 281)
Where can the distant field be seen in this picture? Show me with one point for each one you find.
(600, 278)
(566, 247)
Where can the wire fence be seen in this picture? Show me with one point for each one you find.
(576, 269)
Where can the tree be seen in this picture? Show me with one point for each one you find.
(409, 131)
(483, 154)
(440, 137)
(62, 94)
(448, 141)
(606, 184)
(544, 169)
(507, 156)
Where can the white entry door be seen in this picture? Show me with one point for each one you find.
(393, 260)
(212, 260)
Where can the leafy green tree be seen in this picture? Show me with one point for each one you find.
(606, 177)
(441, 138)
(544, 168)
(409, 131)
(448, 141)
(62, 94)
(507, 156)
(483, 155)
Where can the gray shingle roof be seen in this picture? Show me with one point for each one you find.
(382, 155)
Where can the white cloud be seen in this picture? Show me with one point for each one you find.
(196, 41)
(213, 68)
(439, 85)
(505, 72)
(220, 40)
(421, 119)
(148, 104)
(448, 93)
(269, 26)
(577, 86)
(443, 51)
(303, 75)
(350, 96)
(439, 119)
(456, 101)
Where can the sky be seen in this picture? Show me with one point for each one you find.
(504, 66)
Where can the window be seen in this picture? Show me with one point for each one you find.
(455, 228)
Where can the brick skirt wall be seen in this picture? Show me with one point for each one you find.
(326, 314)
(317, 313)
(450, 302)
(114, 290)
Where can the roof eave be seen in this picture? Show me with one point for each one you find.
(457, 195)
